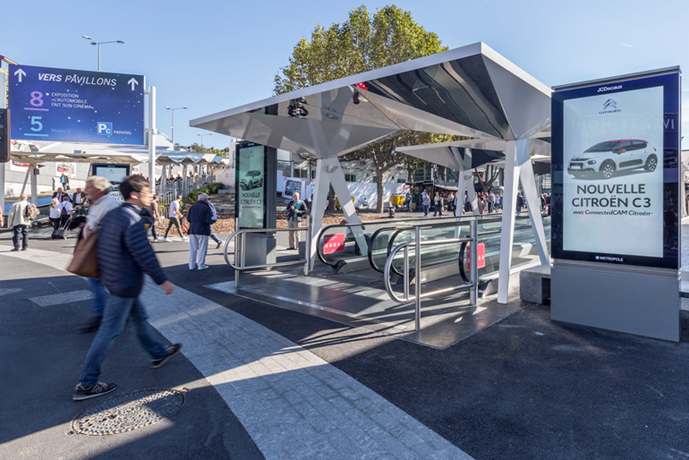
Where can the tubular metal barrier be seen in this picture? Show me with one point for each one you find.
(239, 262)
(472, 283)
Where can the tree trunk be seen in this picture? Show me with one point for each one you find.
(380, 189)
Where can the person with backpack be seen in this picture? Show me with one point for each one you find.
(295, 211)
(19, 220)
(65, 210)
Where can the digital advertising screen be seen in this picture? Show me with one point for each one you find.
(66, 105)
(250, 182)
(616, 170)
(113, 172)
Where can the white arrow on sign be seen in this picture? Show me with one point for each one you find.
(20, 73)
(131, 81)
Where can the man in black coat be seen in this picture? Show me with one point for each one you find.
(200, 218)
(124, 255)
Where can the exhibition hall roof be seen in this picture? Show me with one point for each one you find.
(471, 91)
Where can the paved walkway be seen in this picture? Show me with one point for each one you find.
(292, 403)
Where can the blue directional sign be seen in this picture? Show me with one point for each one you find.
(76, 106)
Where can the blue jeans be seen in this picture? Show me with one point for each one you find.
(22, 230)
(425, 210)
(115, 315)
(100, 296)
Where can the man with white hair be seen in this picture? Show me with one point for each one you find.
(200, 218)
(19, 221)
(96, 190)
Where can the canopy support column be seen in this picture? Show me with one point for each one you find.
(465, 181)
(514, 153)
(329, 171)
(533, 204)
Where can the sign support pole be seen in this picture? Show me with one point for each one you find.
(3, 105)
(152, 133)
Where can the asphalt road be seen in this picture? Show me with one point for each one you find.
(525, 388)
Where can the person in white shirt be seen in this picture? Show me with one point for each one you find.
(175, 216)
(78, 197)
(55, 208)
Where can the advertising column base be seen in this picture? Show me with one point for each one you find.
(633, 300)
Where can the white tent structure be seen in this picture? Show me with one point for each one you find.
(471, 91)
(37, 153)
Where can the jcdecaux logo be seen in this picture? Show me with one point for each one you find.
(104, 128)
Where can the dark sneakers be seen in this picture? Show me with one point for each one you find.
(169, 353)
(99, 389)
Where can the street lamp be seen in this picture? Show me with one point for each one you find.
(93, 42)
(199, 134)
(173, 122)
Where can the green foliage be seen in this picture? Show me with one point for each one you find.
(193, 196)
(361, 43)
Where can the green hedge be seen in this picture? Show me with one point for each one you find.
(193, 197)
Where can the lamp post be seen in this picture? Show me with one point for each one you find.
(173, 122)
(93, 42)
(199, 134)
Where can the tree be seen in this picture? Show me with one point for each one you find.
(361, 43)
(492, 173)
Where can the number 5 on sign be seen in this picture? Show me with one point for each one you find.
(36, 124)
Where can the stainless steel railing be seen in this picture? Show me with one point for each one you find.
(239, 261)
(418, 295)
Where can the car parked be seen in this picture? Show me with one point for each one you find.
(606, 158)
(251, 180)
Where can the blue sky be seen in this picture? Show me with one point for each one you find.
(214, 55)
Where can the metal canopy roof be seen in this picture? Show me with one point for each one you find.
(471, 91)
(454, 155)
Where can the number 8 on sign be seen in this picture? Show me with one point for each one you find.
(36, 99)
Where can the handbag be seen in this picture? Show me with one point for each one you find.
(85, 261)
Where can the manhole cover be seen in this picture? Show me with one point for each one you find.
(127, 412)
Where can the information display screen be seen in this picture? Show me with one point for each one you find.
(615, 160)
(113, 172)
(76, 106)
(250, 183)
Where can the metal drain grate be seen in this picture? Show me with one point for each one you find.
(127, 412)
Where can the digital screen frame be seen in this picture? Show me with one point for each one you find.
(112, 171)
(250, 185)
(616, 169)
(65, 105)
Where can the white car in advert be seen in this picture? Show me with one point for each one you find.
(606, 158)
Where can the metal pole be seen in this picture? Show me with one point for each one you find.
(237, 247)
(151, 136)
(406, 273)
(417, 288)
(34, 186)
(173, 129)
(26, 179)
(307, 246)
(474, 262)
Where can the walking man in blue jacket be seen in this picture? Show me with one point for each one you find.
(200, 218)
(124, 255)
